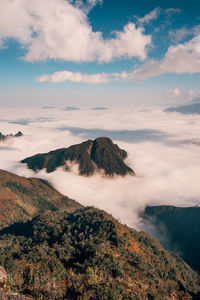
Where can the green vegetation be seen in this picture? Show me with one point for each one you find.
(87, 254)
(90, 155)
(21, 198)
(182, 230)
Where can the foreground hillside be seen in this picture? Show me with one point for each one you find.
(21, 198)
(181, 227)
(100, 154)
(89, 255)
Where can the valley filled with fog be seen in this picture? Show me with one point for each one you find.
(163, 150)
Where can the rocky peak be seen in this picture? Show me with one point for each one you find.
(100, 154)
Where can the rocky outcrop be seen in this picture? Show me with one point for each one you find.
(100, 154)
(4, 137)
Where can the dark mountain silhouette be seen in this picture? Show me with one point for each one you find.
(180, 227)
(21, 198)
(90, 255)
(4, 137)
(90, 155)
(185, 109)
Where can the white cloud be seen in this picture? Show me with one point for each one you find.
(179, 59)
(86, 5)
(63, 76)
(78, 77)
(183, 94)
(167, 168)
(180, 34)
(171, 11)
(152, 15)
(55, 29)
(174, 92)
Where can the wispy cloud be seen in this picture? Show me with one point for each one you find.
(179, 59)
(152, 15)
(63, 76)
(86, 5)
(181, 34)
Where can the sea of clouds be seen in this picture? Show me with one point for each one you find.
(163, 150)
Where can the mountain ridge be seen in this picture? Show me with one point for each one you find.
(22, 198)
(100, 154)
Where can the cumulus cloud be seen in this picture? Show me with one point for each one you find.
(78, 77)
(179, 59)
(56, 29)
(167, 168)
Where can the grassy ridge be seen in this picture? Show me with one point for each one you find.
(23, 198)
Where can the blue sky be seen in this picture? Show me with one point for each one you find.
(99, 52)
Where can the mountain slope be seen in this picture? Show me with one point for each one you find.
(90, 155)
(181, 228)
(185, 109)
(22, 198)
(90, 255)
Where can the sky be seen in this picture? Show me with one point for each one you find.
(99, 52)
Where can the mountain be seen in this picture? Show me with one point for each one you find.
(90, 155)
(21, 198)
(4, 137)
(88, 255)
(180, 227)
(185, 109)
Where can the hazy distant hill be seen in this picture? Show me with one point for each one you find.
(90, 155)
(89, 255)
(181, 230)
(185, 109)
(22, 198)
(4, 137)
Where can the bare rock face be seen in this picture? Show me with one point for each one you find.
(3, 278)
(100, 154)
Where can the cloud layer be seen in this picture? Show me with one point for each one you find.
(163, 150)
(56, 29)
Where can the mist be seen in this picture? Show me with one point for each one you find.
(163, 150)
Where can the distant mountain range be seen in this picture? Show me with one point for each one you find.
(22, 198)
(100, 154)
(4, 137)
(185, 109)
(178, 229)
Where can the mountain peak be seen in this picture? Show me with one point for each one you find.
(4, 137)
(91, 155)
